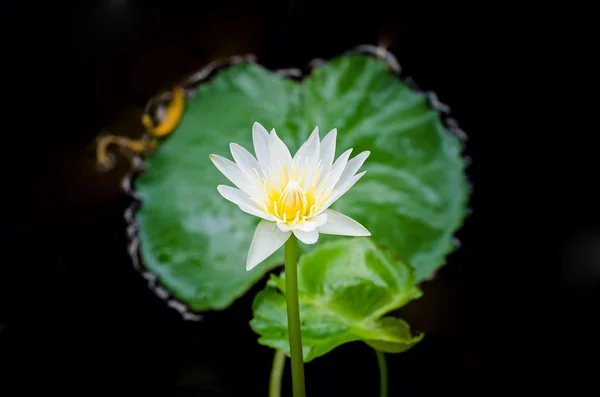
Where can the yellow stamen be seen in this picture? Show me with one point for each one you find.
(292, 201)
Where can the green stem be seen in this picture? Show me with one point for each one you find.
(276, 374)
(293, 314)
(383, 382)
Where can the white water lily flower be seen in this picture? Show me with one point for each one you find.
(291, 195)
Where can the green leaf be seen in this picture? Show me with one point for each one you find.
(345, 287)
(412, 198)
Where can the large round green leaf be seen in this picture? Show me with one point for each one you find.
(345, 288)
(413, 197)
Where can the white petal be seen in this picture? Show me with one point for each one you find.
(267, 239)
(304, 150)
(243, 201)
(245, 161)
(236, 196)
(341, 225)
(336, 171)
(306, 226)
(279, 156)
(233, 173)
(339, 191)
(328, 150)
(319, 220)
(352, 167)
(260, 138)
(307, 157)
(307, 237)
(284, 227)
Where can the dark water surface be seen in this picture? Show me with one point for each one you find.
(80, 320)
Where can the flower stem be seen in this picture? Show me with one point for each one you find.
(276, 374)
(293, 314)
(383, 382)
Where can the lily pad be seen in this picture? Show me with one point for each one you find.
(345, 288)
(413, 197)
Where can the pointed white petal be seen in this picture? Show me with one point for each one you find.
(307, 237)
(236, 196)
(304, 150)
(340, 190)
(336, 171)
(233, 173)
(352, 167)
(243, 201)
(341, 225)
(307, 158)
(245, 161)
(328, 150)
(257, 213)
(267, 239)
(260, 138)
(279, 157)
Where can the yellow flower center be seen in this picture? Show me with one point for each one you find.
(291, 203)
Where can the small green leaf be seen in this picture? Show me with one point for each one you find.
(413, 197)
(345, 288)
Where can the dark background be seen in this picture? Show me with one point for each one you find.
(80, 320)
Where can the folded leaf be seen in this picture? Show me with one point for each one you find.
(345, 289)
